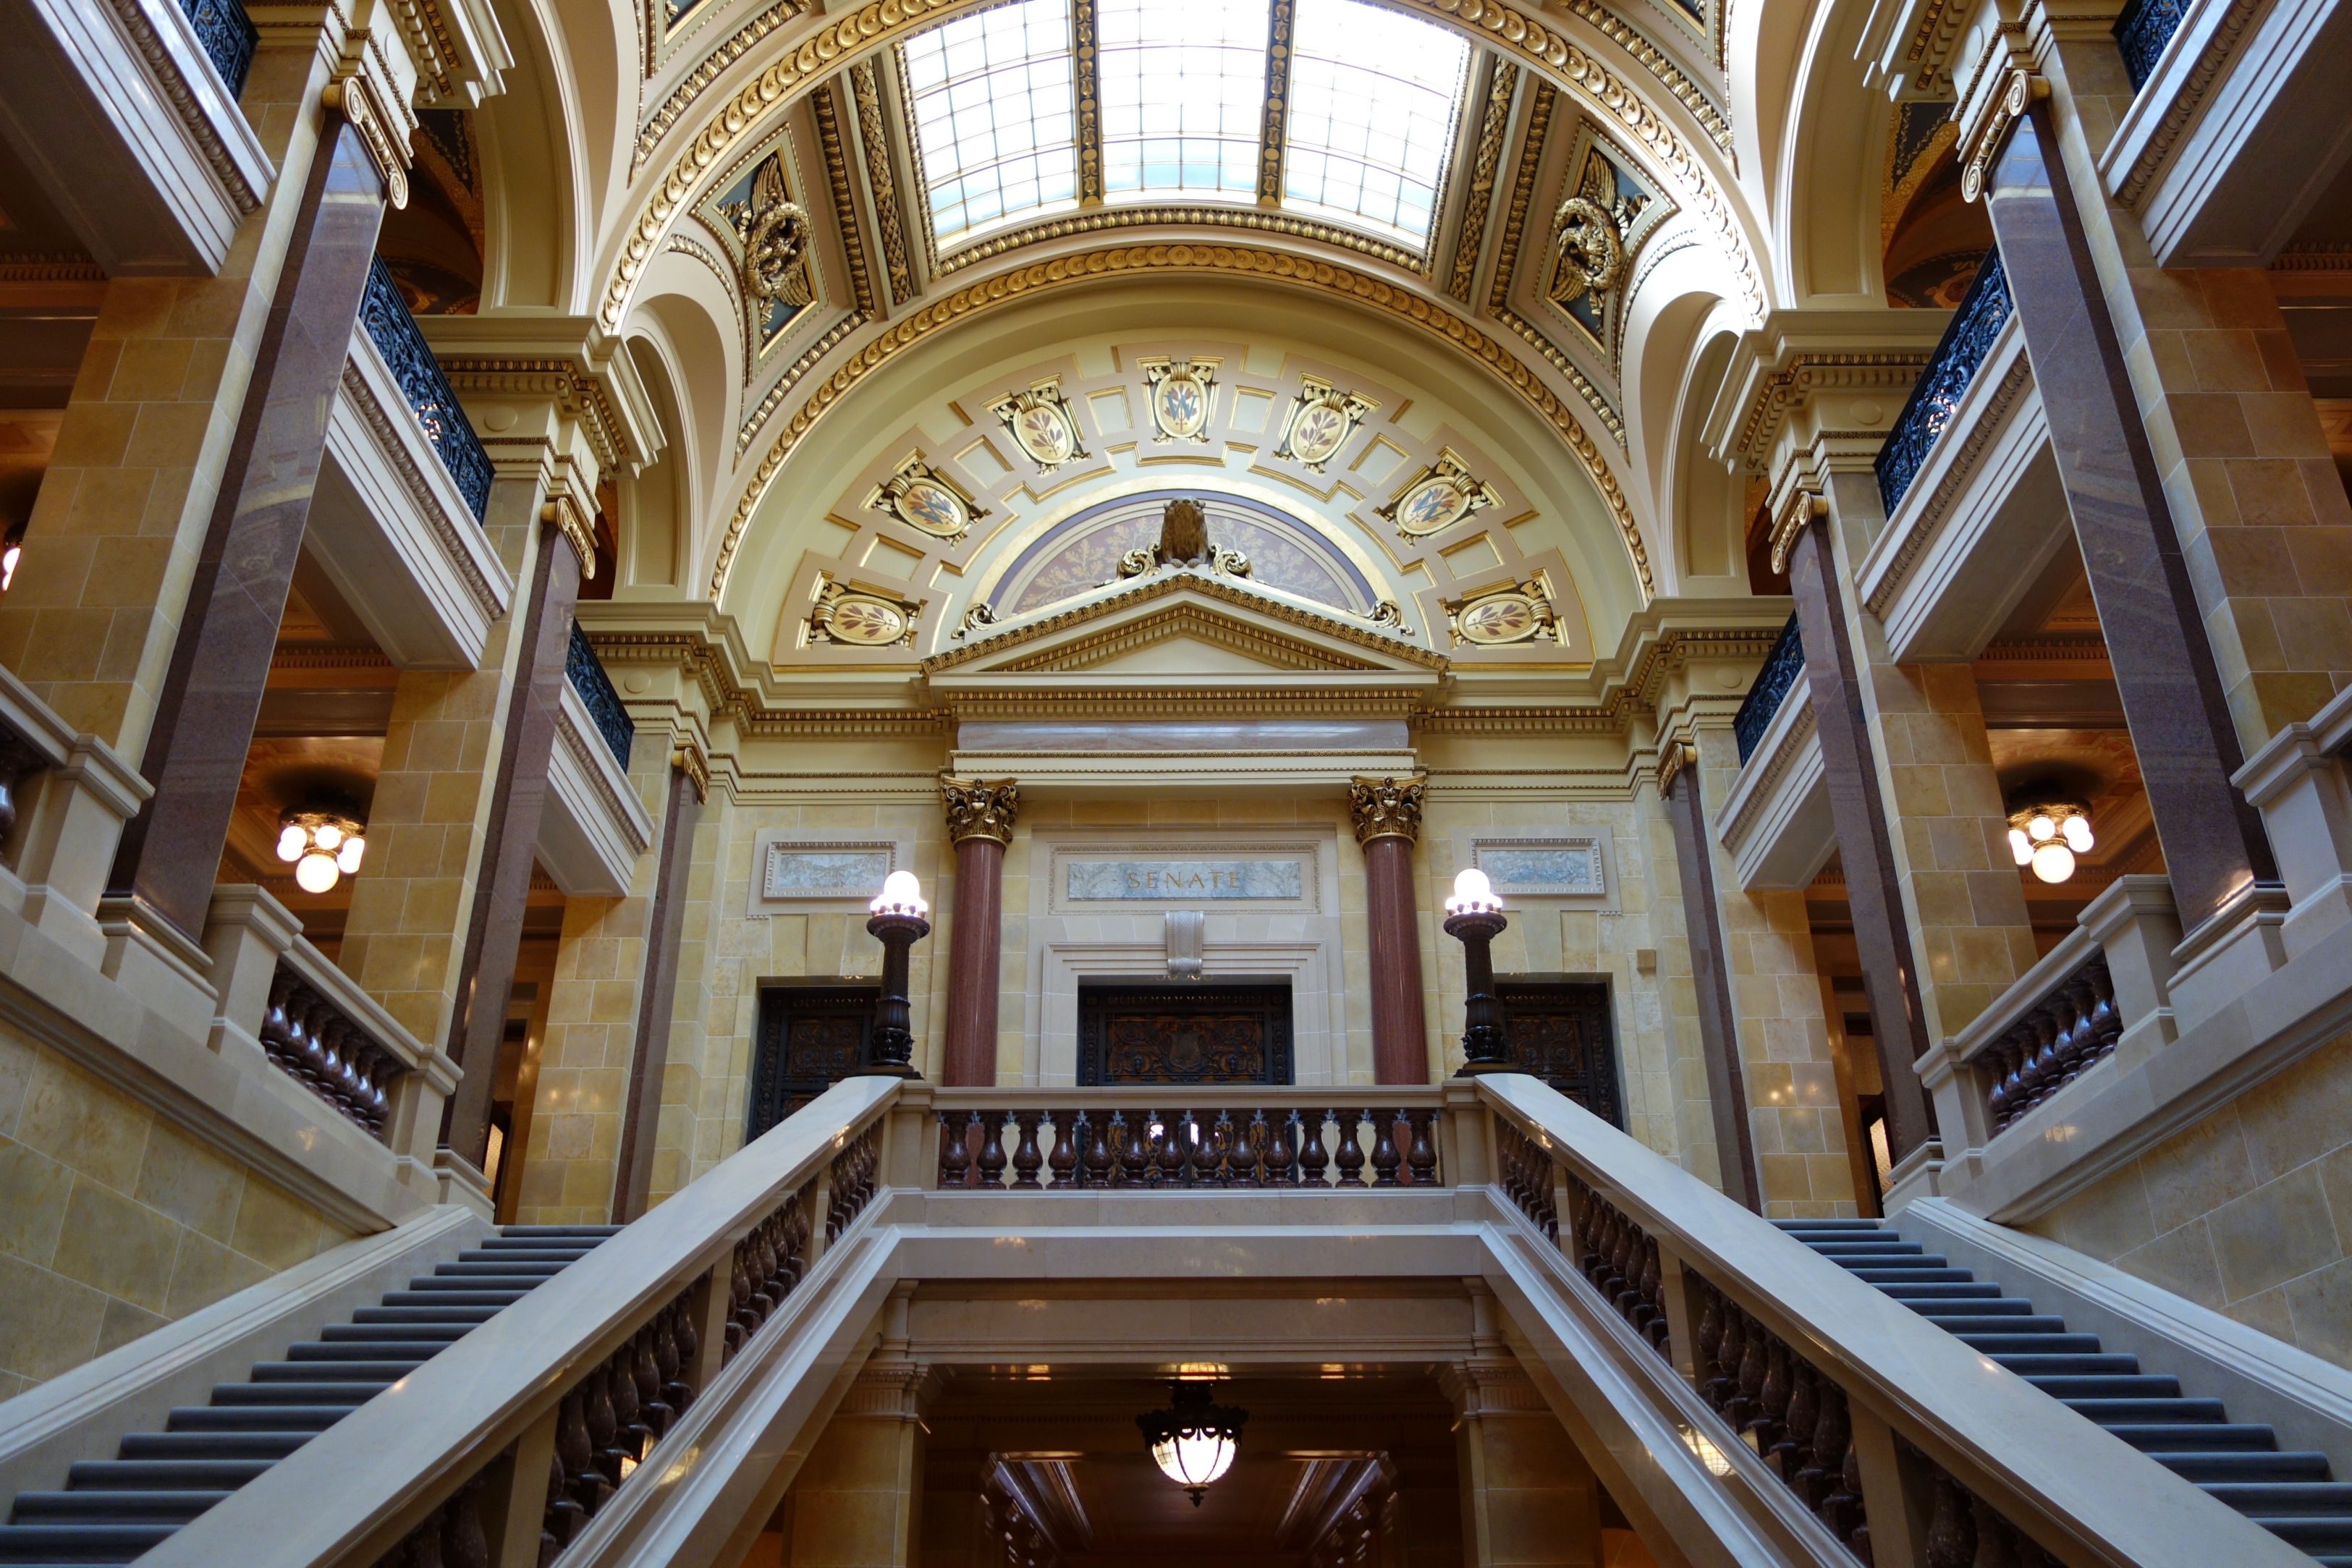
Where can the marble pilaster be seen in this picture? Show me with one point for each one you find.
(981, 814)
(1386, 813)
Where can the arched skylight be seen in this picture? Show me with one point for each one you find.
(1372, 101)
(1374, 96)
(994, 116)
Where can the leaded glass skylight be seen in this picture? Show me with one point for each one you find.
(1373, 95)
(1180, 94)
(995, 123)
(1183, 97)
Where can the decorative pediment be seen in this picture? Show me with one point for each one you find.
(1187, 622)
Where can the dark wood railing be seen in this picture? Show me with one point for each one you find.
(2072, 1026)
(1143, 1148)
(310, 1038)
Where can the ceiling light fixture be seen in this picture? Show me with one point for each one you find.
(1193, 1440)
(323, 842)
(2047, 830)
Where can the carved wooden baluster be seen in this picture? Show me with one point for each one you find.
(1385, 1157)
(652, 1414)
(739, 1322)
(1601, 1270)
(1097, 1160)
(1313, 1158)
(1794, 1451)
(1857, 1539)
(604, 1423)
(1027, 1158)
(2073, 1038)
(1723, 1390)
(1817, 1479)
(1172, 1148)
(955, 1149)
(766, 1288)
(464, 1542)
(681, 1394)
(1421, 1160)
(1065, 1157)
(1127, 1150)
(1351, 1153)
(991, 1148)
(2106, 1023)
(1281, 1145)
(2045, 1055)
(1710, 1340)
(562, 1516)
(1764, 1429)
(1627, 1270)
(1952, 1527)
(1997, 1543)
(1645, 1287)
(1249, 1155)
(1221, 1153)
(669, 1360)
(575, 1445)
(631, 1435)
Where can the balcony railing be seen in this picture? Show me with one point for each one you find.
(227, 36)
(311, 1041)
(596, 694)
(1241, 1138)
(1783, 668)
(2142, 31)
(393, 331)
(1944, 382)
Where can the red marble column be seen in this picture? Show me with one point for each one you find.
(1387, 813)
(170, 852)
(1735, 1144)
(980, 813)
(657, 994)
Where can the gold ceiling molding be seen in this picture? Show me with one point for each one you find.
(873, 26)
(1159, 585)
(1196, 702)
(1182, 619)
(874, 139)
(1502, 79)
(1659, 64)
(831, 338)
(1231, 261)
(698, 80)
(1103, 219)
(826, 101)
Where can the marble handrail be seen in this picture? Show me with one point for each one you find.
(510, 1441)
(1914, 1435)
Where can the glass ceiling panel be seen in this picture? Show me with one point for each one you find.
(994, 121)
(1182, 91)
(1374, 96)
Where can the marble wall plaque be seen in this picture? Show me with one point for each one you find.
(799, 871)
(1542, 868)
(1159, 881)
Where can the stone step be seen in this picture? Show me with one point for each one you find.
(2131, 1386)
(113, 1543)
(2112, 1413)
(256, 1418)
(165, 1475)
(272, 1446)
(2002, 1348)
(2039, 1365)
(349, 1394)
(382, 1372)
(2244, 1465)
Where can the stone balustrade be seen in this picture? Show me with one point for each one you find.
(2103, 992)
(1240, 1138)
(1779, 1365)
(312, 1040)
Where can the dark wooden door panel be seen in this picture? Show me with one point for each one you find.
(1561, 1031)
(810, 1038)
(1183, 1034)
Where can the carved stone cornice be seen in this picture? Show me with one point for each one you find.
(1980, 136)
(980, 808)
(447, 530)
(1107, 220)
(1490, 1385)
(1387, 808)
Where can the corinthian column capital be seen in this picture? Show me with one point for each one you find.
(1387, 808)
(981, 808)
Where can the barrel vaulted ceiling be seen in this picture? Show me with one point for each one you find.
(1537, 220)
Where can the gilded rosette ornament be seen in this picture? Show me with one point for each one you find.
(1387, 808)
(981, 808)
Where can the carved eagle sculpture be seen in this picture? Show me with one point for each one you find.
(1183, 532)
(775, 230)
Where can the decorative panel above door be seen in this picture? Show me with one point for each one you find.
(1183, 1034)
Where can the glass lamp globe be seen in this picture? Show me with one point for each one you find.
(2076, 830)
(1473, 892)
(291, 842)
(2053, 862)
(901, 895)
(347, 857)
(1194, 1441)
(316, 871)
(2021, 848)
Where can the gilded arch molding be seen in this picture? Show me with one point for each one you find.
(1023, 283)
(871, 26)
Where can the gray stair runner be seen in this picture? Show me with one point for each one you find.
(2289, 1494)
(113, 1511)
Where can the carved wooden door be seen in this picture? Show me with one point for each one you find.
(1559, 1032)
(1183, 1034)
(810, 1038)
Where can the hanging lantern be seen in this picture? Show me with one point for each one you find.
(2047, 833)
(323, 843)
(1192, 1441)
